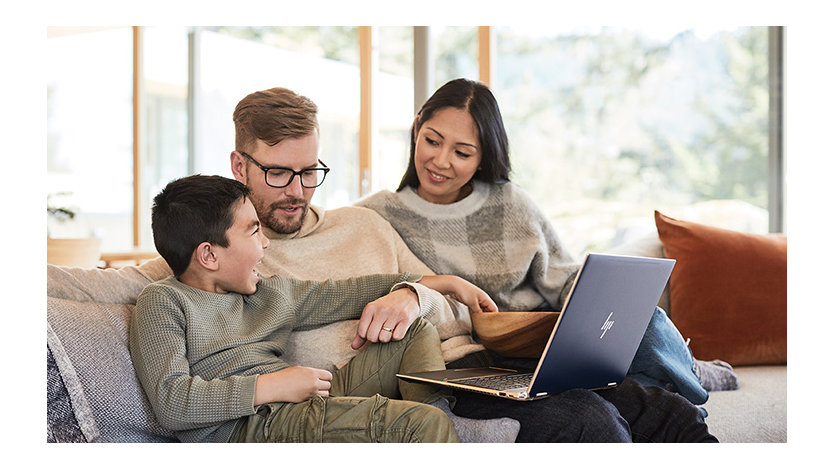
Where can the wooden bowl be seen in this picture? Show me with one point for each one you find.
(514, 334)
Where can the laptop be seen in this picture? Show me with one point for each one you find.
(593, 341)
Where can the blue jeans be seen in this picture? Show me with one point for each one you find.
(641, 409)
(629, 412)
(663, 359)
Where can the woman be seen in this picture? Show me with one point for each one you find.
(458, 212)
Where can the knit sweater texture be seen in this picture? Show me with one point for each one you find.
(198, 354)
(355, 241)
(496, 238)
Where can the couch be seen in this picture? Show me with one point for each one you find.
(93, 394)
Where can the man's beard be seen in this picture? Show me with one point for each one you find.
(283, 224)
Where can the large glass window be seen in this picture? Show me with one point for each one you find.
(90, 128)
(90, 134)
(393, 105)
(608, 124)
(164, 153)
(605, 124)
(455, 53)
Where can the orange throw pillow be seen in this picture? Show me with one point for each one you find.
(728, 291)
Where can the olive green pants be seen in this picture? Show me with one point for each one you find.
(363, 405)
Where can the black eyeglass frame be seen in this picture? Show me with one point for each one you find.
(266, 169)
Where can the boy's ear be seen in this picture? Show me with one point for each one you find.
(205, 256)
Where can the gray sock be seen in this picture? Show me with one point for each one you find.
(480, 430)
(716, 375)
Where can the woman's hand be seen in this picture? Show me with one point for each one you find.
(293, 384)
(461, 290)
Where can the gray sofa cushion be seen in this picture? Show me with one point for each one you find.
(89, 344)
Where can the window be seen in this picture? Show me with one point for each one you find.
(455, 52)
(605, 124)
(393, 105)
(89, 134)
(608, 124)
(164, 153)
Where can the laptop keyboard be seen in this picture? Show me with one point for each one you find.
(498, 382)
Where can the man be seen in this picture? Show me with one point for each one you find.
(278, 128)
(276, 156)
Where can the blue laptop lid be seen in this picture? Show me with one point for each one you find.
(602, 323)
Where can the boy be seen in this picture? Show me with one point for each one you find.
(207, 342)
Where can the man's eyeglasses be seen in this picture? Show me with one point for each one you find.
(280, 177)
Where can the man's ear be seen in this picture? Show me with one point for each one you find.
(238, 166)
(206, 257)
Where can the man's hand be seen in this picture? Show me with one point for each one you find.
(293, 384)
(387, 318)
(461, 290)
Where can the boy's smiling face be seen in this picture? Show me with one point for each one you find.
(236, 263)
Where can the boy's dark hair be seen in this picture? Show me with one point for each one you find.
(190, 211)
(475, 98)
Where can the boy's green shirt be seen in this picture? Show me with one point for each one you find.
(198, 354)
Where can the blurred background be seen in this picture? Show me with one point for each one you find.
(606, 124)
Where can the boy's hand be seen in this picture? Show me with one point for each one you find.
(293, 384)
(387, 318)
(461, 290)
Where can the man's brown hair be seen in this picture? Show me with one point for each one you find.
(272, 116)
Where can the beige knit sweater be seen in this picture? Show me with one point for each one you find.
(347, 242)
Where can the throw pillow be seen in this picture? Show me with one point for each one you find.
(93, 340)
(728, 291)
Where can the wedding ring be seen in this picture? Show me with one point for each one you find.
(387, 329)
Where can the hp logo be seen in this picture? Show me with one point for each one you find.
(607, 325)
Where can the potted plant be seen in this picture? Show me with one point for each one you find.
(82, 252)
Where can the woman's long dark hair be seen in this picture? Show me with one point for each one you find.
(475, 98)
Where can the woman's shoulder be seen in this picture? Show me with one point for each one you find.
(363, 213)
(518, 204)
(388, 203)
(510, 193)
(377, 199)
